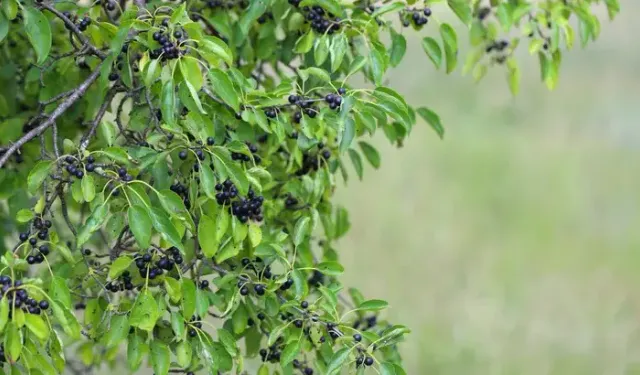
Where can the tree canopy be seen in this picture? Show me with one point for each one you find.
(167, 171)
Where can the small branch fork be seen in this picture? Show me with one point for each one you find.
(52, 117)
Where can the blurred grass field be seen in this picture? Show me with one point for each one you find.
(513, 245)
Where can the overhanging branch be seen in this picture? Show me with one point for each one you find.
(51, 118)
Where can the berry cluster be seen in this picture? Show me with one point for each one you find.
(311, 162)
(19, 298)
(243, 209)
(290, 202)
(321, 21)
(183, 192)
(43, 234)
(84, 23)
(195, 321)
(170, 49)
(367, 323)
(260, 289)
(163, 263)
(243, 157)
(497, 46)
(419, 17)
(299, 365)
(39, 255)
(212, 4)
(76, 169)
(123, 283)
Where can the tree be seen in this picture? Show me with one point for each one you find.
(167, 170)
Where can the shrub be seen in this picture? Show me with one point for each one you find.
(167, 172)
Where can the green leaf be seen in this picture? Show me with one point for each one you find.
(462, 9)
(66, 319)
(188, 297)
(432, 48)
(228, 251)
(38, 30)
(94, 222)
(165, 227)
(145, 312)
(37, 175)
(236, 174)
(348, 134)
(300, 283)
(373, 305)
(301, 230)
(172, 204)
(450, 43)
(25, 215)
(168, 103)
(398, 47)
(222, 225)
(255, 234)
(179, 14)
(249, 16)
(10, 8)
(239, 319)
(339, 47)
(372, 155)
(174, 289)
(389, 368)
(229, 342)
(378, 66)
(222, 86)
(207, 236)
(140, 225)
(117, 154)
(358, 63)
(330, 268)
(88, 188)
(321, 50)
(191, 72)
(37, 325)
(12, 342)
(160, 357)
(304, 43)
(513, 76)
(60, 292)
(290, 352)
(356, 160)
(432, 119)
(184, 352)
(119, 266)
(316, 72)
(387, 8)
(136, 350)
(108, 130)
(4, 26)
(217, 47)
(118, 330)
(337, 361)
(4, 312)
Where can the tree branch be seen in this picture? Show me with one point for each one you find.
(68, 102)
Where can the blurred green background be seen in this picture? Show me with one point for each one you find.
(511, 246)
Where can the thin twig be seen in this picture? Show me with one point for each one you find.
(68, 102)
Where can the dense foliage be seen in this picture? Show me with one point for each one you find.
(167, 172)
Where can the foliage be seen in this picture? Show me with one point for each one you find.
(168, 168)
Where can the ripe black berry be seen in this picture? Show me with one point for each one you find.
(31, 259)
(90, 167)
(357, 337)
(210, 141)
(244, 290)
(308, 371)
(24, 236)
(342, 91)
(304, 304)
(427, 12)
(261, 316)
(86, 252)
(368, 361)
(204, 284)
(298, 323)
(33, 241)
(113, 76)
(44, 304)
(44, 249)
(110, 6)
(259, 288)
(182, 155)
(177, 34)
(193, 333)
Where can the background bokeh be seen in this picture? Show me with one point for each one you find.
(511, 246)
